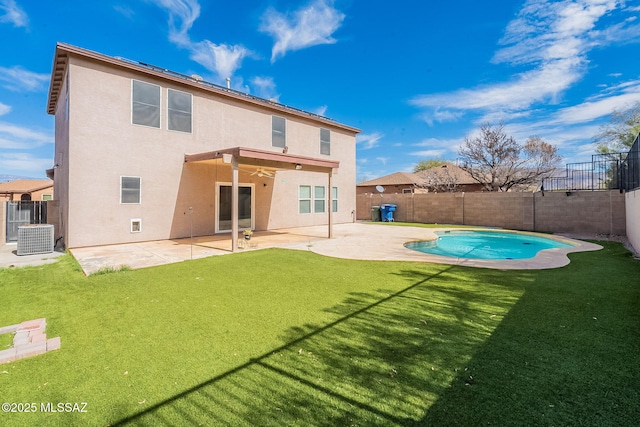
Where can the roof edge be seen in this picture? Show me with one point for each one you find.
(60, 63)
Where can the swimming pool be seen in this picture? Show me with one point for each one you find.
(488, 245)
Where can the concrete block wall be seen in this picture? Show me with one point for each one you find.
(440, 208)
(592, 212)
(589, 212)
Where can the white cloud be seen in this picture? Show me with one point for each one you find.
(24, 164)
(383, 160)
(309, 26)
(615, 98)
(17, 137)
(368, 141)
(17, 78)
(266, 88)
(221, 59)
(321, 111)
(429, 153)
(552, 38)
(10, 12)
(4, 109)
(125, 11)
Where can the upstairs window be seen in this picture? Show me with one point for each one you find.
(130, 189)
(278, 132)
(145, 104)
(325, 141)
(179, 111)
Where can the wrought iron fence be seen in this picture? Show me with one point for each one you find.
(24, 213)
(603, 172)
(630, 168)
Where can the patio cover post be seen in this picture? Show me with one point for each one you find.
(234, 204)
(330, 203)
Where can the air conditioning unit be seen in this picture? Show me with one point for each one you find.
(35, 239)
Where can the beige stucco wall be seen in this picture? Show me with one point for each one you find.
(589, 212)
(632, 205)
(103, 145)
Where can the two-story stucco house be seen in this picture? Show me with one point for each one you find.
(143, 153)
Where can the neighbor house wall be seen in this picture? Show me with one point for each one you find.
(102, 144)
(597, 212)
(632, 204)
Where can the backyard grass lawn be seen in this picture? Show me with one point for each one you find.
(278, 337)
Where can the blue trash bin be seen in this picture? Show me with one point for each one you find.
(386, 212)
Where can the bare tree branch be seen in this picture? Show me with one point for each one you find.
(499, 163)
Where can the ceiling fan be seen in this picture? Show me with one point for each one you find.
(262, 173)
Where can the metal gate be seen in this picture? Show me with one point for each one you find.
(24, 213)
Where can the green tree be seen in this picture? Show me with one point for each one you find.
(618, 135)
(499, 163)
(428, 164)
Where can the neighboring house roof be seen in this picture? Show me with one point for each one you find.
(398, 178)
(61, 59)
(460, 176)
(21, 186)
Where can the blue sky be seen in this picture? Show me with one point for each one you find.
(415, 76)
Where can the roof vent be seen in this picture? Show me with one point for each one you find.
(197, 77)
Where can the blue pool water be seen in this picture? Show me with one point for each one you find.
(491, 245)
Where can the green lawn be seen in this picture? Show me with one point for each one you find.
(277, 337)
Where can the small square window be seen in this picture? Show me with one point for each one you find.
(130, 189)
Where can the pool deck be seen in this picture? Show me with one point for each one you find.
(359, 241)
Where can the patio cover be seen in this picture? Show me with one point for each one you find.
(261, 158)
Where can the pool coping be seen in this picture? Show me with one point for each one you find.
(388, 244)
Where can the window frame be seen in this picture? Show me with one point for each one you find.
(275, 131)
(305, 199)
(122, 202)
(169, 110)
(325, 143)
(133, 102)
(334, 199)
(317, 199)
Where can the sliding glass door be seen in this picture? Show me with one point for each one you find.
(245, 207)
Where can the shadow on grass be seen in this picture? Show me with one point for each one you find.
(568, 353)
(385, 360)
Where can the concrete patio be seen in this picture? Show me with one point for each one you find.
(361, 241)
